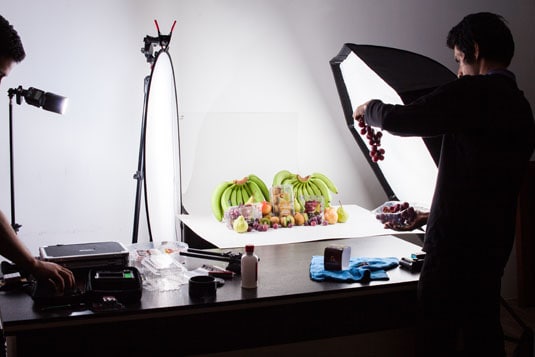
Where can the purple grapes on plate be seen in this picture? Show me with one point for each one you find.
(399, 214)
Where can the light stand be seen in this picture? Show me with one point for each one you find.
(36, 97)
(153, 48)
(138, 175)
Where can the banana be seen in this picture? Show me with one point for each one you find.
(280, 176)
(328, 182)
(217, 210)
(245, 195)
(290, 180)
(242, 195)
(298, 193)
(323, 189)
(309, 188)
(239, 199)
(314, 189)
(256, 192)
(234, 196)
(304, 193)
(261, 184)
(302, 188)
(247, 190)
(225, 198)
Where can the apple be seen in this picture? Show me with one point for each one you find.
(266, 208)
(330, 215)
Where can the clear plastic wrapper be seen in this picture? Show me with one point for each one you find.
(162, 267)
(251, 212)
(282, 200)
(397, 212)
(313, 208)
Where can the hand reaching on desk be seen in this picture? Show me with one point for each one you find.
(418, 222)
(60, 277)
(13, 249)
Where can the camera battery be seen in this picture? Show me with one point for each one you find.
(412, 265)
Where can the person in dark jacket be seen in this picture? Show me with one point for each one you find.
(488, 136)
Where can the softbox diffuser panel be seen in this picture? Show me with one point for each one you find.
(364, 72)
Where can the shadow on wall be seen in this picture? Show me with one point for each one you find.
(233, 145)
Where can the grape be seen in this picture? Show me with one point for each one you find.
(259, 226)
(374, 140)
(310, 206)
(234, 213)
(400, 214)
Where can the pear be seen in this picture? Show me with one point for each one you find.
(342, 213)
(240, 225)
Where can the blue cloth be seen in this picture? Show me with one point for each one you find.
(360, 269)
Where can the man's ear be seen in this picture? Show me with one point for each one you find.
(476, 51)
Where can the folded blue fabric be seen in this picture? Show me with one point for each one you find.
(360, 269)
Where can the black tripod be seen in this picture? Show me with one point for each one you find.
(15, 225)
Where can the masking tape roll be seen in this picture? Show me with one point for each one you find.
(336, 257)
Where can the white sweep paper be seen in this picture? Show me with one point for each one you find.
(361, 223)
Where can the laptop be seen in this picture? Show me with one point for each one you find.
(86, 255)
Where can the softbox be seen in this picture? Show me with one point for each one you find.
(364, 72)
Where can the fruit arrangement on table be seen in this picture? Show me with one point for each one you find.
(248, 204)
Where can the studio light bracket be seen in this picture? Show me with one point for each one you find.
(154, 44)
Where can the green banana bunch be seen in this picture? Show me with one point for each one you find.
(237, 192)
(281, 176)
(316, 184)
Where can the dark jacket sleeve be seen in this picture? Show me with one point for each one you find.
(437, 113)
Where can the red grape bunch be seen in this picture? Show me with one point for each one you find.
(399, 214)
(374, 139)
(313, 213)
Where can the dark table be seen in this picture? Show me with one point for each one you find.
(286, 307)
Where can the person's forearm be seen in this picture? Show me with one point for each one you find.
(375, 112)
(12, 248)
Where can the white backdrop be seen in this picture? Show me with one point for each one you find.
(245, 70)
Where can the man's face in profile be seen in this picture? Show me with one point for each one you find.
(5, 67)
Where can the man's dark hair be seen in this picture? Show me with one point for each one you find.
(10, 43)
(491, 34)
